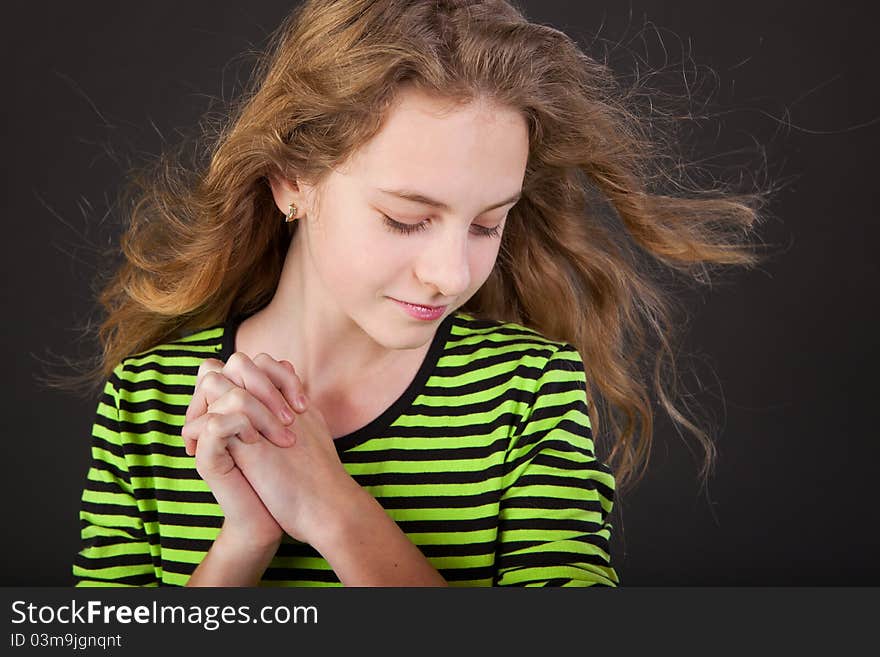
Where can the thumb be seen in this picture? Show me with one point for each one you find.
(299, 399)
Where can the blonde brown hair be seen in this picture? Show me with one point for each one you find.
(601, 217)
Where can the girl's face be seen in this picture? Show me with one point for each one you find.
(371, 243)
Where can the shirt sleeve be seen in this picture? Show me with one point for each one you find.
(115, 550)
(556, 496)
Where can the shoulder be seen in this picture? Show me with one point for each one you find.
(540, 380)
(498, 340)
(171, 366)
(484, 355)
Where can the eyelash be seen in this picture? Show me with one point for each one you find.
(409, 229)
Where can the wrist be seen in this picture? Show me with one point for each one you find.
(356, 508)
(232, 562)
(246, 546)
(365, 547)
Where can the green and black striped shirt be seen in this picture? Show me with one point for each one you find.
(486, 462)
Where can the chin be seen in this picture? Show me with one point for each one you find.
(409, 337)
(395, 332)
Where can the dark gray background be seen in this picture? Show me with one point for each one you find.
(787, 353)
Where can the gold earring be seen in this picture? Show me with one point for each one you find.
(291, 213)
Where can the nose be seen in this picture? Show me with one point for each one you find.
(444, 264)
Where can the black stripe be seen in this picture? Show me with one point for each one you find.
(591, 539)
(88, 563)
(583, 483)
(564, 464)
(213, 344)
(465, 404)
(547, 503)
(504, 379)
(160, 449)
(130, 535)
(535, 438)
(494, 356)
(448, 431)
(436, 502)
(555, 480)
(166, 370)
(551, 524)
(184, 496)
(476, 453)
(183, 520)
(130, 580)
(103, 466)
(538, 448)
(461, 550)
(107, 399)
(161, 387)
(153, 495)
(559, 581)
(154, 404)
(109, 509)
(102, 443)
(467, 574)
(447, 525)
(447, 477)
(548, 560)
(174, 350)
(141, 428)
(191, 544)
(299, 574)
(465, 328)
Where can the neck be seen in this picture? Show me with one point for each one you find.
(332, 355)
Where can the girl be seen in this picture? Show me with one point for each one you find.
(372, 341)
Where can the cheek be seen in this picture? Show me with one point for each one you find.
(482, 260)
(336, 257)
(359, 252)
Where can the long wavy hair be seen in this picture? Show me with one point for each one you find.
(607, 206)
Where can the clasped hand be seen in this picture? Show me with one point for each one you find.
(271, 468)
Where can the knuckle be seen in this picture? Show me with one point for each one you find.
(211, 379)
(209, 365)
(241, 420)
(238, 359)
(213, 425)
(239, 396)
(191, 410)
(249, 436)
(263, 357)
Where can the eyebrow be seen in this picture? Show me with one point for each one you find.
(417, 197)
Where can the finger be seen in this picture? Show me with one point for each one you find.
(208, 370)
(245, 373)
(212, 454)
(239, 400)
(232, 423)
(283, 376)
(211, 387)
(210, 384)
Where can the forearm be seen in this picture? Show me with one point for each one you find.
(365, 547)
(230, 563)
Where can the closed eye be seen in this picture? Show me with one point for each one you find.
(409, 229)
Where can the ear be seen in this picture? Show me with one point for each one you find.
(284, 192)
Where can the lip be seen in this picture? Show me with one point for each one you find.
(420, 311)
